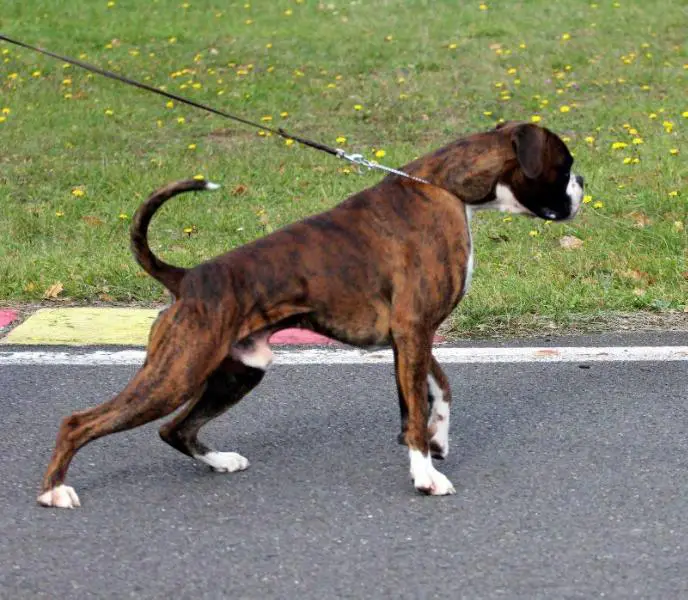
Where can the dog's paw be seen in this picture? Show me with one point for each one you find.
(224, 462)
(61, 496)
(427, 479)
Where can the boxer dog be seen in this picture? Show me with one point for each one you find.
(386, 266)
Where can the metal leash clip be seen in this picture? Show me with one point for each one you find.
(358, 159)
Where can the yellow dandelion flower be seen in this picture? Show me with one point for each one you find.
(565, 37)
(483, 7)
(3, 119)
(6, 110)
(564, 108)
(288, 12)
(191, 146)
(199, 177)
(389, 38)
(598, 204)
(536, 118)
(261, 133)
(331, 85)
(673, 194)
(684, 114)
(288, 142)
(170, 104)
(159, 122)
(36, 74)
(186, 5)
(590, 140)
(673, 151)
(109, 112)
(123, 216)
(587, 199)
(78, 192)
(637, 141)
(248, 21)
(627, 160)
(341, 140)
(619, 145)
(487, 113)
(453, 46)
(512, 71)
(652, 116)
(403, 96)
(266, 118)
(533, 233)
(380, 153)
(59, 213)
(358, 107)
(13, 76)
(181, 120)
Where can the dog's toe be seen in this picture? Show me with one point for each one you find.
(61, 496)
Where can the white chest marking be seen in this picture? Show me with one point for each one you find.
(468, 278)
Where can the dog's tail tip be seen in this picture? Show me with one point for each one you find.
(209, 185)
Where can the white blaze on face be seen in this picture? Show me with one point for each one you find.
(574, 191)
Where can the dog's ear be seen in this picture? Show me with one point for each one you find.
(529, 145)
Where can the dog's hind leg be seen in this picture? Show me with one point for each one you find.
(179, 361)
(224, 388)
(412, 358)
(439, 395)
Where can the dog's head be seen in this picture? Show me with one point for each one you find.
(539, 181)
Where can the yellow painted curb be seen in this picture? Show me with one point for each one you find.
(85, 326)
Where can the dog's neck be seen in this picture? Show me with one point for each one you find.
(470, 169)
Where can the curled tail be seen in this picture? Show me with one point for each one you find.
(169, 275)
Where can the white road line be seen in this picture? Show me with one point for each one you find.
(330, 356)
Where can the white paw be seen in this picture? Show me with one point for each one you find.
(61, 496)
(426, 478)
(224, 462)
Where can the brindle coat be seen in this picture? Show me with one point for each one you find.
(386, 266)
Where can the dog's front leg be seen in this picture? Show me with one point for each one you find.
(412, 364)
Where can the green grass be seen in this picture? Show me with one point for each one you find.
(424, 72)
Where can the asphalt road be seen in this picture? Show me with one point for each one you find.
(571, 483)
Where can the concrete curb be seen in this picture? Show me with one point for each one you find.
(87, 326)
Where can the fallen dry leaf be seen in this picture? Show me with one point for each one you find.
(238, 190)
(53, 291)
(640, 219)
(634, 274)
(570, 242)
(92, 221)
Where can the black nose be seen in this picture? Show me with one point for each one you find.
(579, 180)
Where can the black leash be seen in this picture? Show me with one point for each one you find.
(338, 152)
